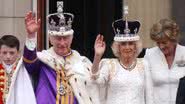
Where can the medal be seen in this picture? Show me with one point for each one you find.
(181, 62)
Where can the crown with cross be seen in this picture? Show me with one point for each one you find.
(125, 30)
(60, 23)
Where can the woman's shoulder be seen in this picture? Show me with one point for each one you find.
(142, 60)
(107, 60)
(152, 50)
(181, 47)
(142, 63)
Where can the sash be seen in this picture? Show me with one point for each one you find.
(21, 89)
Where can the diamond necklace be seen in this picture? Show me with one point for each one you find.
(129, 68)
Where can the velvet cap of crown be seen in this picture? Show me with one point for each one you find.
(60, 24)
(126, 30)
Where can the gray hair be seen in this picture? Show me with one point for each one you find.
(116, 52)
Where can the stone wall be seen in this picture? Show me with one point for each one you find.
(12, 14)
(148, 12)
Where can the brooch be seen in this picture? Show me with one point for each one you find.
(62, 90)
(181, 63)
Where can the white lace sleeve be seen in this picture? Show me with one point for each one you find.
(104, 72)
(31, 43)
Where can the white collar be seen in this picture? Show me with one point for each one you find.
(53, 53)
(7, 67)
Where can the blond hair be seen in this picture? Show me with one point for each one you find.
(165, 28)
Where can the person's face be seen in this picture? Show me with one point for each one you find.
(9, 55)
(127, 49)
(166, 46)
(61, 44)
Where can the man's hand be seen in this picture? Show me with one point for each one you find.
(32, 26)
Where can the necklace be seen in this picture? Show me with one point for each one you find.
(129, 68)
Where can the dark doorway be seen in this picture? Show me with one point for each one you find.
(91, 18)
(179, 17)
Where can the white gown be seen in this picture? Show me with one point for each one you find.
(165, 80)
(123, 86)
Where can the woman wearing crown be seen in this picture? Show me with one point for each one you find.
(126, 78)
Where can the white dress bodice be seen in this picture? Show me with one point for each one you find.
(123, 86)
(165, 81)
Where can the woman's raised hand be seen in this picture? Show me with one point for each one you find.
(99, 45)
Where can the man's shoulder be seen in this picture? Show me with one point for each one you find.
(76, 53)
(1, 69)
(2, 72)
(1, 66)
(77, 56)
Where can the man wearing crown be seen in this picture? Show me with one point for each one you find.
(63, 74)
(9, 47)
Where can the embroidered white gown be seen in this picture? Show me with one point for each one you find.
(165, 81)
(123, 86)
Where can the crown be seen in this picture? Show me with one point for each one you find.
(60, 23)
(125, 30)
